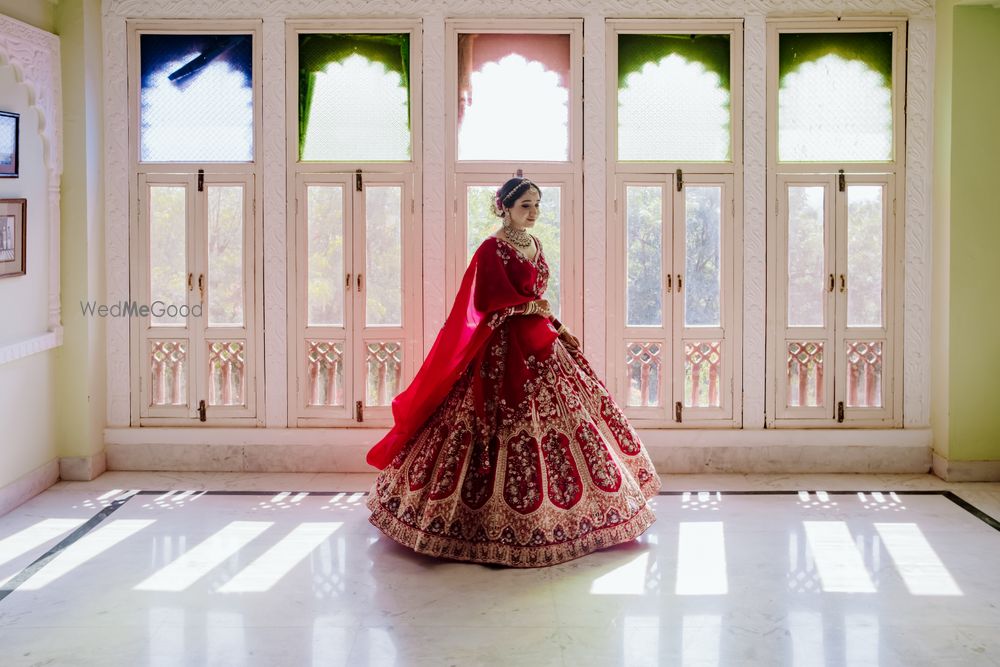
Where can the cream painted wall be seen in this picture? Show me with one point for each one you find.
(39, 13)
(940, 323)
(27, 440)
(27, 386)
(82, 358)
(28, 295)
(974, 361)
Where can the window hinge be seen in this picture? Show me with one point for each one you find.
(840, 412)
(678, 412)
(201, 410)
(357, 180)
(680, 179)
(359, 411)
(201, 183)
(616, 204)
(413, 206)
(841, 180)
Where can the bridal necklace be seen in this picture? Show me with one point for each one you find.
(519, 237)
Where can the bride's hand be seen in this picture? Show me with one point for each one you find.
(569, 339)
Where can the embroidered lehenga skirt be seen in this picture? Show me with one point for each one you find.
(549, 475)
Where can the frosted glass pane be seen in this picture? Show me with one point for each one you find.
(513, 97)
(384, 278)
(227, 372)
(643, 363)
(167, 253)
(703, 256)
(325, 372)
(864, 374)
(383, 370)
(702, 373)
(864, 255)
(482, 223)
(644, 255)
(806, 265)
(354, 97)
(325, 284)
(168, 372)
(196, 98)
(225, 255)
(805, 374)
(835, 97)
(673, 97)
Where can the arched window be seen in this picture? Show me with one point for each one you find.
(674, 98)
(835, 97)
(513, 101)
(354, 98)
(196, 98)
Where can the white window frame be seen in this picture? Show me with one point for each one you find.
(729, 173)
(888, 173)
(151, 172)
(405, 173)
(567, 174)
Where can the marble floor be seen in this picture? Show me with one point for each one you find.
(284, 569)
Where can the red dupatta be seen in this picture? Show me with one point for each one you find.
(482, 303)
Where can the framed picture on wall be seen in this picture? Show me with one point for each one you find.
(13, 237)
(9, 122)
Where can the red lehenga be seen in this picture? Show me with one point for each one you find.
(507, 448)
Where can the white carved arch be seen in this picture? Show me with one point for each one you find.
(34, 56)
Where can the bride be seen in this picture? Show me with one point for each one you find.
(506, 447)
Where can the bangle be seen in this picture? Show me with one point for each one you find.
(530, 308)
(562, 329)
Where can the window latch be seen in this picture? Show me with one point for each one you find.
(678, 412)
(201, 180)
(359, 411)
(357, 180)
(201, 410)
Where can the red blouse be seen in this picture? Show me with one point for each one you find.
(498, 279)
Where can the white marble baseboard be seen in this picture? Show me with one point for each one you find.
(28, 486)
(82, 468)
(966, 471)
(790, 459)
(826, 451)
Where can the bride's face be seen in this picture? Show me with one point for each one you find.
(525, 210)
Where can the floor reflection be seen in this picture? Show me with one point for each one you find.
(812, 577)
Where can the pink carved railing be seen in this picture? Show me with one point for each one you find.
(326, 365)
(864, 373)
(167, 359)
(699, 357)
(647, 357)
(385, 367)
(226, 364)
(805, 364)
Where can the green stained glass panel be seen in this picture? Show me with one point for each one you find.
(835, 97)
(674, 98)
(354, 97)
